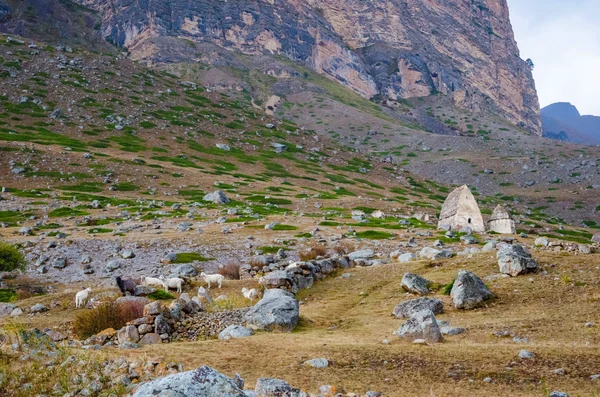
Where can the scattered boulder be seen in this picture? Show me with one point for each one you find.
(185, 270)
(201, 382)
(421, 325)
(407, 308)
(452, 330)
(541, 242)
(277, 310)
(515, 260)
(38, 308)
(111, 266)
(415, 284)
(317, 363)
(469, 290)
(269, 387)
(127, 254)
(59, 263)
(435, 254)
(525, 354)
(150, 338)
(216, 197)
(235, 332)
(144, 290)
(407, 257)
(26, 231)
(362, 254)
(129, 333)
(6, 309)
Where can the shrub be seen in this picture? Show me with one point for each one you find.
(7, 295)
(230, 271)
(11, 258)
(313, 253)
(160, 294)
(344, 248)
(107, 315)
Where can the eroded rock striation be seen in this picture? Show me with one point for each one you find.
(388, 49)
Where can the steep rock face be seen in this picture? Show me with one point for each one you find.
(389, 49)
(53, 21)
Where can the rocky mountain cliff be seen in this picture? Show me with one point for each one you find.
(563, 121)
(387, 50)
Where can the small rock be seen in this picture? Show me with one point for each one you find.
(317, 363)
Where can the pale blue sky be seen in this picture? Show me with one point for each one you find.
(562, 37)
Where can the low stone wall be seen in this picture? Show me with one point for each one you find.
(205, 325)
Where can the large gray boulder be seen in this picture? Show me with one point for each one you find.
(515, 259)
(216, 197)
(129, 333)
(235, 332)
(469, 291)
(407, 308)
(278, 310)
(279, 279)
(362, 254)
(269, 387)
(421, 325)
(415, 284)
(6, 309)
(201, 382)
(434, 254)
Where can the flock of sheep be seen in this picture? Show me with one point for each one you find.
(129, 285)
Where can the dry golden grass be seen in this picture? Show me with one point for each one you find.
(345, 321)
(347, 327)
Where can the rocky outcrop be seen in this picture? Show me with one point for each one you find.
(201, 382)
(421, 325)
(387, 49)
(407, 308)
(469, 291)
(515, 259)
(278, 310)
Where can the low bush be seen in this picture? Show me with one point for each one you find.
(230, 271)
(344, 248)
(11, 258)
(107, 315)
(313, 253)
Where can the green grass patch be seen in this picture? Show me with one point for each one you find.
(189, 257)
(374, 235)
(161, 295)
(284, 227)
(65, 211)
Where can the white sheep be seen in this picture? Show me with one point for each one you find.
(213, 278)
(81, 297)
(148, 281)
(250, 293)
(174, 282)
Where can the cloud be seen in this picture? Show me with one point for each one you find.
(563, 40)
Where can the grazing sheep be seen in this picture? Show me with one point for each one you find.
(250, 294)
(174, 282)
(148, 281)
(212, 278)
(126, 285)
(81, 297)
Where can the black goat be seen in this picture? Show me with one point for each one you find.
(126, 285)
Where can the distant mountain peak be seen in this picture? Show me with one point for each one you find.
(563, 121)
(562, 111)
